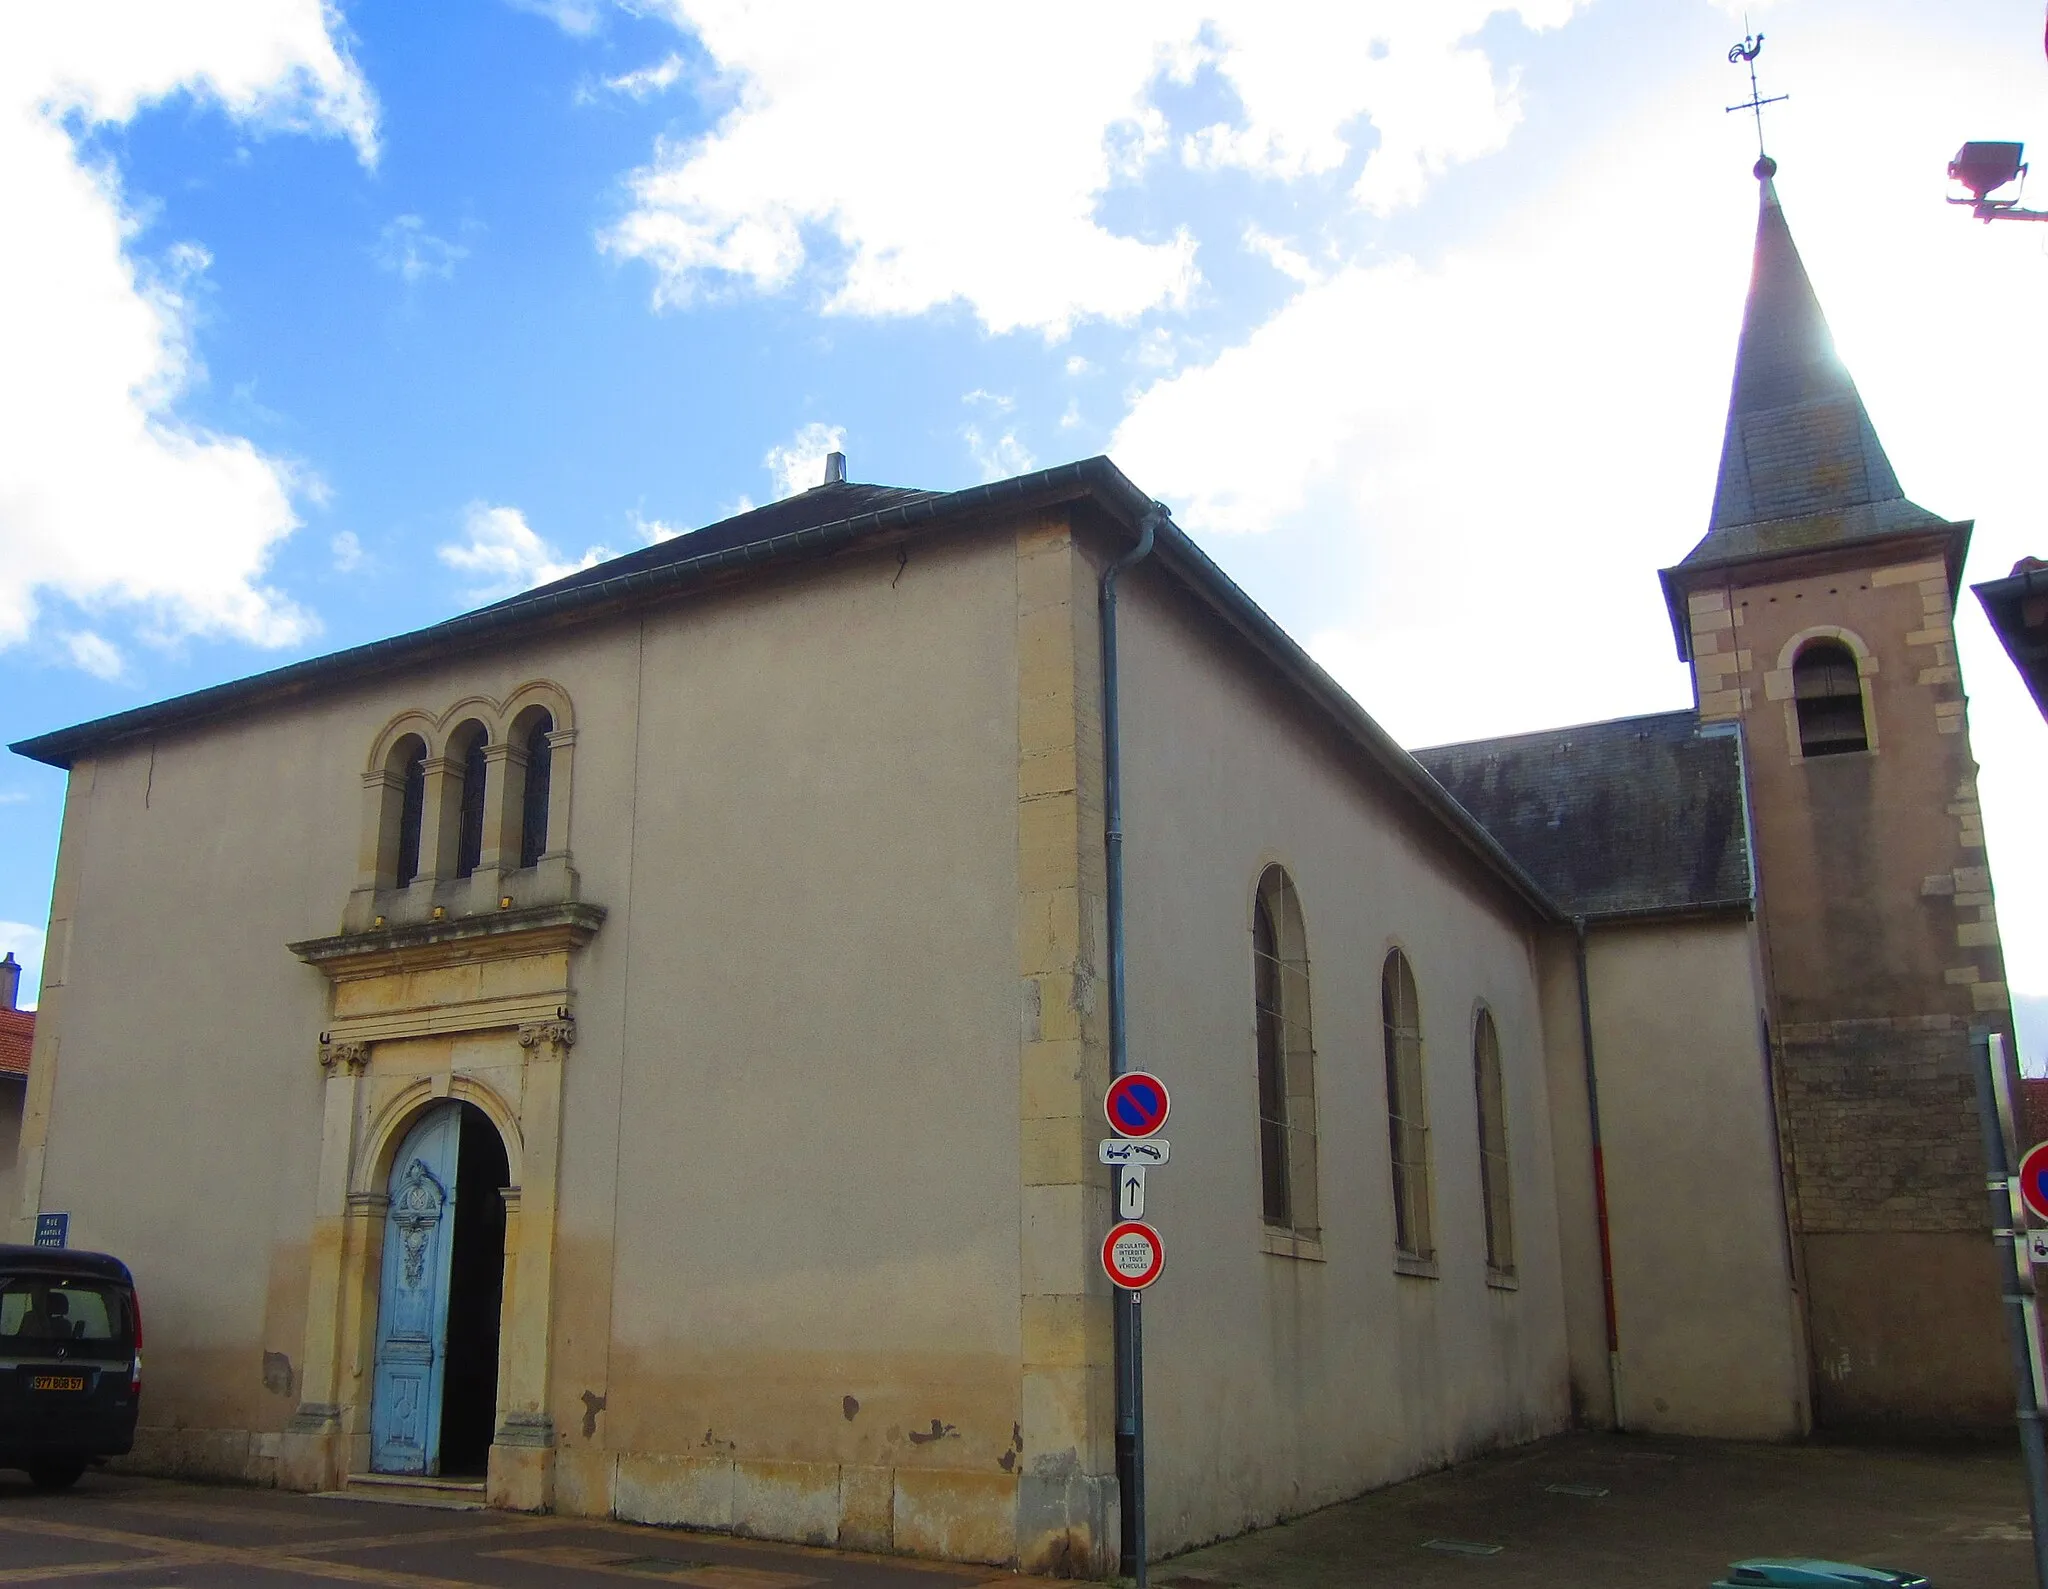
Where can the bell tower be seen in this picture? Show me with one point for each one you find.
(1816, 613)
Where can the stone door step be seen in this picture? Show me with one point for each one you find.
(407, 1489)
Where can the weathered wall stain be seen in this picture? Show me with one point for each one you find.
(939, 1431)
(277, 1373)
(593, 1404)
(850, 1407)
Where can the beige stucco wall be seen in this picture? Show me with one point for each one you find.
(1710, 1334)
(788, 1170)
(1275, 1384)
(823, 1214)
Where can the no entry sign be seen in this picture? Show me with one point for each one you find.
(1136, 1104)
(2034, 1180)
(1133, 1255)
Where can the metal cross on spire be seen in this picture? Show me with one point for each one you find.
(1746, 53)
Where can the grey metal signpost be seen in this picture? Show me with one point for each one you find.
(1996, 1118)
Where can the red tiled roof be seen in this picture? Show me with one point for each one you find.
(17, 1032)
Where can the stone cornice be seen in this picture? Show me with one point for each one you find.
(454, 940)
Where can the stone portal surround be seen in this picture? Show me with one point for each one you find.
(400, 999)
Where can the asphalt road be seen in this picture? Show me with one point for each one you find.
(1589, 1511)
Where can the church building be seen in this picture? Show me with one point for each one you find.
(639, 1047)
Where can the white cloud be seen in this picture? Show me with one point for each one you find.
(14, 797)
(410, 252)
(648, 81)
(1076, 365)
(107, 497)
(1481, 457)
(849, 120)
(1305, 76)
(26, 945)
(1000, 458)
(1289, 261)
(347, 548)
(799, 463)
(503, 555)
(94, 653)
(651, 531)
(575, 17)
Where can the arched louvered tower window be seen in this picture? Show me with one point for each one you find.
(1828, 695)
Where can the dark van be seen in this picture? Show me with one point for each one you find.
(70, 1361)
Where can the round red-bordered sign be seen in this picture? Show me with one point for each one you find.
(2033, 1180)
(1132, 1254)
(1136, 1104)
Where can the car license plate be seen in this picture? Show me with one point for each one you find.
(56, 1382)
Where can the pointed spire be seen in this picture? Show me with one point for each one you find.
(1801, 464)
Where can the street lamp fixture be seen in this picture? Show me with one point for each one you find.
(1981, 169)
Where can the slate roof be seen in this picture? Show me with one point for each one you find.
(822, 523)
(1801, 466)
(2017, 606)
(826, 504)
(1635, 816)
(17, 1034)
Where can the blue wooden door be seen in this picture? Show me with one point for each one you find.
(412, 1304)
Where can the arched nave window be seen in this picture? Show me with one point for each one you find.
(1286, 1057)
(1407, 1108)
(1493, 1147)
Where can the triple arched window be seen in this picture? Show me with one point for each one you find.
(479, 792)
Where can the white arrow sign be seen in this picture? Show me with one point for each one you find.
(1130, 1191)
(1142, 1151)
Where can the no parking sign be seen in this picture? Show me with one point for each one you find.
(2033, 1179)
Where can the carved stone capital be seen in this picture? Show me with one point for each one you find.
(353, 1057)
(558, 1033)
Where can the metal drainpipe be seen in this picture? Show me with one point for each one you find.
(1130, 1385)
(1599, 1174)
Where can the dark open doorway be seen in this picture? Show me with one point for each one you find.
(476, 1283)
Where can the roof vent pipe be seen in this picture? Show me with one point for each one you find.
(10, 982)
(835, 468)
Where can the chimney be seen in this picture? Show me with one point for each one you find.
(835, 468)
(10, 982)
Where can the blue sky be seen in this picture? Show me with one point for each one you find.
(1420, 313)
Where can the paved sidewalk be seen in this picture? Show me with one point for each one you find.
(1673, 1515)
(147, 1533)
